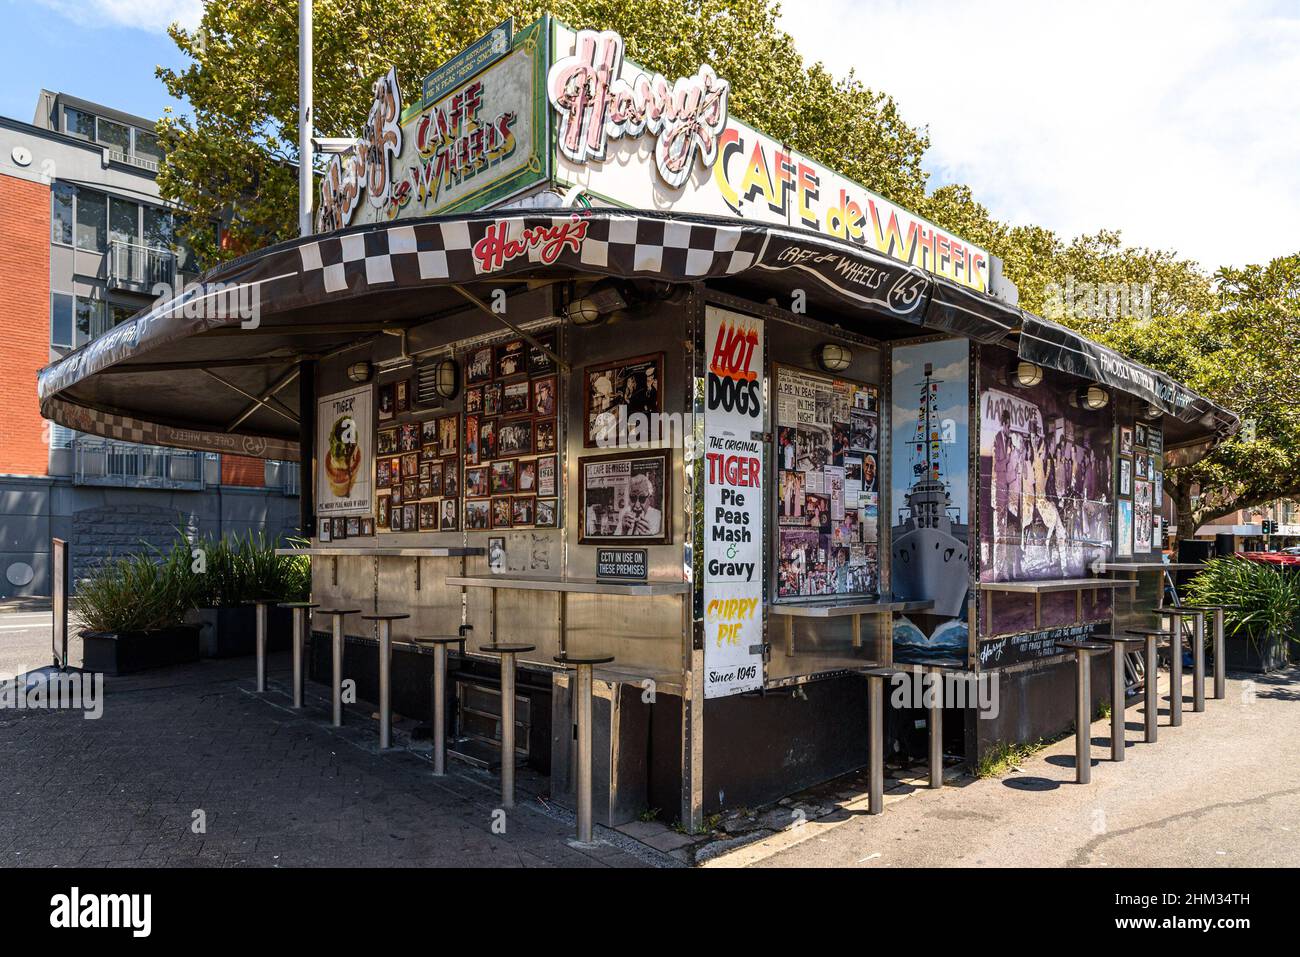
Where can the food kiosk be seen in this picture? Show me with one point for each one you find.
(578, 359)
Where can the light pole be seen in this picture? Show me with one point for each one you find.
(306, 182)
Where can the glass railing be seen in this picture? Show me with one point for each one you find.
(134, 266)
(126, 465)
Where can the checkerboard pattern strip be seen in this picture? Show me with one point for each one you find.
(404, 255)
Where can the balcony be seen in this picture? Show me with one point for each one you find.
(138, 268)
(126, 465)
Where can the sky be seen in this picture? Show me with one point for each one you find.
(1174, 121)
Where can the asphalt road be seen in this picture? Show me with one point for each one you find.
(25, 641)
(1223, 790)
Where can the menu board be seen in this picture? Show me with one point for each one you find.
(828, 492)
(733, 504)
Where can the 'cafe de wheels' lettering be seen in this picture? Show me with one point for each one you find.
(595, 105)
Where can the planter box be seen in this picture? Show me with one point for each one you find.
(120, 653)
(1242, 654)
(232, 632)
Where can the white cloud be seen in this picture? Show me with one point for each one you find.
(1173, 121)
(151, 15)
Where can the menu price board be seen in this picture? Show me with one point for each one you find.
(734, 477)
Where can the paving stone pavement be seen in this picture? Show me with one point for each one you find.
(278, 788)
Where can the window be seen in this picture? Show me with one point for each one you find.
(92, 221)
(114, 136)
(147, 146)
(90, 319)
(158, 231)
(78, 123)
(61, 320)
(61, 217)
(123, 221)
(118, 313)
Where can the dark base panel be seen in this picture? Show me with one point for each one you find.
(126, 652)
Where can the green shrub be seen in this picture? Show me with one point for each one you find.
(246, 568)
(1269, 597)
(140, 592)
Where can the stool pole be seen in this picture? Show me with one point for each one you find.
(440, 710)
(936, 730)
(1082, 719)
(1176, 674)
(1220, 671)
(336, 649)
(299, 641)
(508, 738)
(1198, 664)
(385, 690)
(876, 766)
(1117, 700)
(583, 702)
(1151, 690)
(261, 646)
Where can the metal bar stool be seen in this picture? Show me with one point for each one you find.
(581, 698)
(1084, 651)
(300, 610)
(507, 653)
(1150, 678)
(260, 616)
(336, 653)
(934, 717)
(1118, 699)
(385, 676)
(1176, 614)
(438, 644)
(876, 720)
(1220, 672)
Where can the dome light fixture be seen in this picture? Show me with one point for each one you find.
(446, 378)
(360, 371)
(1026, 375)
(1092, 397)
(834, 357)
(600, 301)
(1152, 412)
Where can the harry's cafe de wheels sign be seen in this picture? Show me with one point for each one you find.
(550, 105)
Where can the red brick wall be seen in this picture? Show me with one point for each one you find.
(25, 305)
(242, 470)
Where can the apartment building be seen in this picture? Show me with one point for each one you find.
(85, 239)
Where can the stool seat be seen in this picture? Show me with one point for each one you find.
(338, 611)
(298, 604)
(1208, 607)
(508, 649)
(1082, 645)
(584, 659)
(883, 671)
(258, 601)
(1149, 632)
(433, 640)
(1181, 610)
(943, 663)
(383, 617)
(1120, 639)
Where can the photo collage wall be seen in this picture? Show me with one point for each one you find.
(1139, 490)
(827, 486)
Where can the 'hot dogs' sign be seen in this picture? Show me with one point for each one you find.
(733, 504)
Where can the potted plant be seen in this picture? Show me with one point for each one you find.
(1259, 632)
(237, 570)
(134, 610)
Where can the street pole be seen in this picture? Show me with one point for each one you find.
(305, 180)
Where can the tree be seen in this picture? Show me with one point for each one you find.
(235, 160)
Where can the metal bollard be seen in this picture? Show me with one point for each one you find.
(581, 697)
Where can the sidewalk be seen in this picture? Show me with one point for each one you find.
(275, 787)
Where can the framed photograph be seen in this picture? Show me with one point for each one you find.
(428, 455)
(1140, 466)
(544, 391)
(471, 439)
(478, 366)
(451, 477)
(425, 489)
(511, 358)
(544, 435)
(502, 512)
(1125, 440)
(410, 466)
(449, 435)
(515, 437)
(629, 386)
(386, 442)
(395, 469)
(408, 439)
(496, 555)
(353, 526)
(384, 473)
(522, 509)
(478, 514)
(428, 433)
(487, 440)
(548, 513)
(1139, 437)
(428, 516)
(502, 476)
(410, 490)
(387, 406)
(367, 526)
(546, 476)
(539, 363)
(402, 396)
(396, 496)
(474, 400)
(1125, 477)
(339, 528)
(382, 513)
(1153, 466)
(410, 520)
(324, 526)
(450, 518)
(435, 478)
(476, 482)
(526, 476)
(492, 398)
(625, 498)
(515, 398)
(395, 518)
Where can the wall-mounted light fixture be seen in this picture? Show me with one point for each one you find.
(360, 371)
(1092, 397)
(834, 357)
(447, 378)
(1152, 412)
(1026, 375)
(600, 301)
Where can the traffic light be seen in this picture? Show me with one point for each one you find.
(1270, 527)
